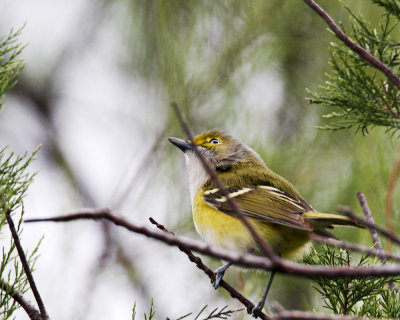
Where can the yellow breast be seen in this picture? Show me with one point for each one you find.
(230, 233)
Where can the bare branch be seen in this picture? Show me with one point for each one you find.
(374, 233)
(233, 293)
(246, 260)
(364, 54)
(26, 267)
(370, 219)
(31, 311)
(235, 207)
(384, 232)
(346, 245)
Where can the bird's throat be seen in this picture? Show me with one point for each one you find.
(196, 172)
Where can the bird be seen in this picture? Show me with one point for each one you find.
(274, 207)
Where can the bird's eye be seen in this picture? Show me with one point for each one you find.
(215, 141)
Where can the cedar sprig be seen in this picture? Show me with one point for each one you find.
(368, 297)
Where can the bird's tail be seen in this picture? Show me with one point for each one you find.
(328, 220)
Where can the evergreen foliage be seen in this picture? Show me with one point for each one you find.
(10, 65)
(391, 6)
(367, 297)
(14, 182)
(217, 313)
(365, 97)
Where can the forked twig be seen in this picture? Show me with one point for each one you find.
(364, 54)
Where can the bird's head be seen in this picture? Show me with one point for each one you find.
(221, 151)
(218, 148)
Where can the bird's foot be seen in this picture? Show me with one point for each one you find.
(255, 312)
(220, 274)
(218, 277)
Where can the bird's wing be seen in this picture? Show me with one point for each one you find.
(265, 203)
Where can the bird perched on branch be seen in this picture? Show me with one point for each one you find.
(271, 203)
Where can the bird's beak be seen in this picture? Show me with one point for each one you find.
(181, 144)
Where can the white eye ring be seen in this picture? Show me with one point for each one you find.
(215, 141)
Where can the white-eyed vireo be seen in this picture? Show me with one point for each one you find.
(273, 205)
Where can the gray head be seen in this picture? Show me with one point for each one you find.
(220, 150)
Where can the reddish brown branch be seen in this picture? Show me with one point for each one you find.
(384, 232)
(235, 207)
(26, 267)
(346, 245)
(233, 293)
(31, 311)
(364, 54)
(246, 260)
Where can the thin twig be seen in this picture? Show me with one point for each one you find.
(346, 245)
(246, 260)
(213, 175)
(31, 311)
(384, 232)
(370, 219)
(26, 267)
(233, 293)
(364, 54)
(374, 234)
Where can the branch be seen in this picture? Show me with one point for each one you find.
(364, 54)
(346, 245)
(32, 312)
(245, 260)
(26, 267)
(370, 219)
(233, 293)
(235, 207)
(384, 232)
(374, 233)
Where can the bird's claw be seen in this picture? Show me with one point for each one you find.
(255, 312)
(218, 278)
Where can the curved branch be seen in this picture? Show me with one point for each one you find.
(364, 54)
(246, 260)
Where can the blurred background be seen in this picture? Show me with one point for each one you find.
(95, 93)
